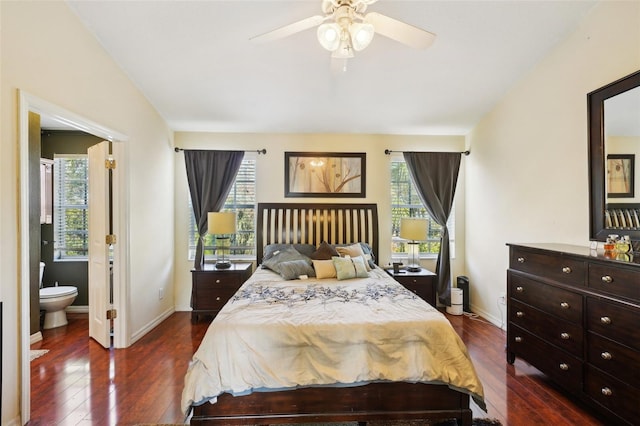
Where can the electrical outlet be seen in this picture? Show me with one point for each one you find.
(161, 293)
(502, 299)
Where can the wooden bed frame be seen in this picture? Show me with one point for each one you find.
(337, 224)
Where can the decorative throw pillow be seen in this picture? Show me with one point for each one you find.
(324, 268)
(350, 267)
(270, 249)
(366, 249)
(354, 250)
(287, 254)
(293, 269)
(324, 252)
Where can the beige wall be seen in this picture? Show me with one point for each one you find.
(270, 181)
(527, 179)
(50, 55)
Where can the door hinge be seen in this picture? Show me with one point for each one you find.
(110, 164)
(112, 314)
(110, 239)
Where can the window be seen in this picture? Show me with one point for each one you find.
(70, 226)
(405, 202)
(242, 200)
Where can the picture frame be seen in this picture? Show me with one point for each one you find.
(620, 175)
(325, 174)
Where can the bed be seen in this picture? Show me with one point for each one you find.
(310, 350)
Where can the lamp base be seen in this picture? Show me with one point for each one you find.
(225, 264)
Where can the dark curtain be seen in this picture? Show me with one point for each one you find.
(210, 175)
(435, 175)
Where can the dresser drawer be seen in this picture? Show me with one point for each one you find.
(614, 321)
(562, 303)
(617, 281)
(614, 359)
(620, 398)
(553, 266)
(563, 334)
(563, 368)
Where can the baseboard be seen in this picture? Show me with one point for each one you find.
(78, 309)
(14, 422)
(498, 322)
(151, 325)
(35, 337)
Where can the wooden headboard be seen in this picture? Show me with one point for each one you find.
(312, 223)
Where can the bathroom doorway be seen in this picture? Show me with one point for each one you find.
(30, 104)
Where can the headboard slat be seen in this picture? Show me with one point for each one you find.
(293, 223)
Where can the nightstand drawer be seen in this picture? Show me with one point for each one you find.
(422, 283)
(212, 287)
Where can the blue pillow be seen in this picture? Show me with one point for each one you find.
(350, 267)
(287, 254)
(293, 269)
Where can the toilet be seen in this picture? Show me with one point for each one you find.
(54, 301)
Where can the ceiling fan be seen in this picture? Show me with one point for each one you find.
(344, 28)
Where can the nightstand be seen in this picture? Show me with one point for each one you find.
(211, 288)
(422, 283)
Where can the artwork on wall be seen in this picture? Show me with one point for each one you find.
(325, 174)
(620, 175)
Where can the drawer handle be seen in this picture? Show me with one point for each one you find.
(521, 260)
(607, 279)
(564, 367)
(218, 298)
(217, 281)
(606, 391)
(415, 281)
(519, 289)
(606, 356)
(518, 339)
(564, 305)
(565, 336)
(605, 320)
(519, 314)
(566, 270)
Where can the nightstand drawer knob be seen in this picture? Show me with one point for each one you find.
(415, 281)
(606, 391)
(606, 356)
(605, 320)
(564, 367)
(218, 298)
(521, 260)
(519, 314)
(518, 339)
(566, 270)
(565, 336)
(519, 289)
(607, 279)
(217, 281)
(564, 305)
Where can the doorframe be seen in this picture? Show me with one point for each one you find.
(121, 339)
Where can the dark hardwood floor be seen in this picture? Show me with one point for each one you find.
(79, 383)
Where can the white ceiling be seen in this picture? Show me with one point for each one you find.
(195, 63)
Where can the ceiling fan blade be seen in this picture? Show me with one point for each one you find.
(290, 29)
(400, 31)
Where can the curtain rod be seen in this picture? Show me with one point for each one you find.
(259, 151)
(388, 152)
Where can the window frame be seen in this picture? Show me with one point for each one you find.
(417, 210)
(59, 210)
(250, 233)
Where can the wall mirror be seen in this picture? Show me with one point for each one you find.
(614, 159)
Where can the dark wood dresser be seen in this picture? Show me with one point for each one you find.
(575, 315)
(211, 287)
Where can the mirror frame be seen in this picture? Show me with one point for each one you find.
(597, 190)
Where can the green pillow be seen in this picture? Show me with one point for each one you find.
(350, 267)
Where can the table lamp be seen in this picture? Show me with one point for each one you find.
(415, 230)
(221, 224)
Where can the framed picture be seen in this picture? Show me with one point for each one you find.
(325, 174)
(620, 175)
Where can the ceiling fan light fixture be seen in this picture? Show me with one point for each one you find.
(329, 36)
(361, 35)
(344, 50)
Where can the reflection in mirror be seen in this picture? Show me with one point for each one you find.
(614, 146)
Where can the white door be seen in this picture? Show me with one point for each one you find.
(99, 267)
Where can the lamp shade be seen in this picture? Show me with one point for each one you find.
(361, 35)
(221, 223)
(414, 229)
(329, 36)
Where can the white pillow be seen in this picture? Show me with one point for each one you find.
(324, 269)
